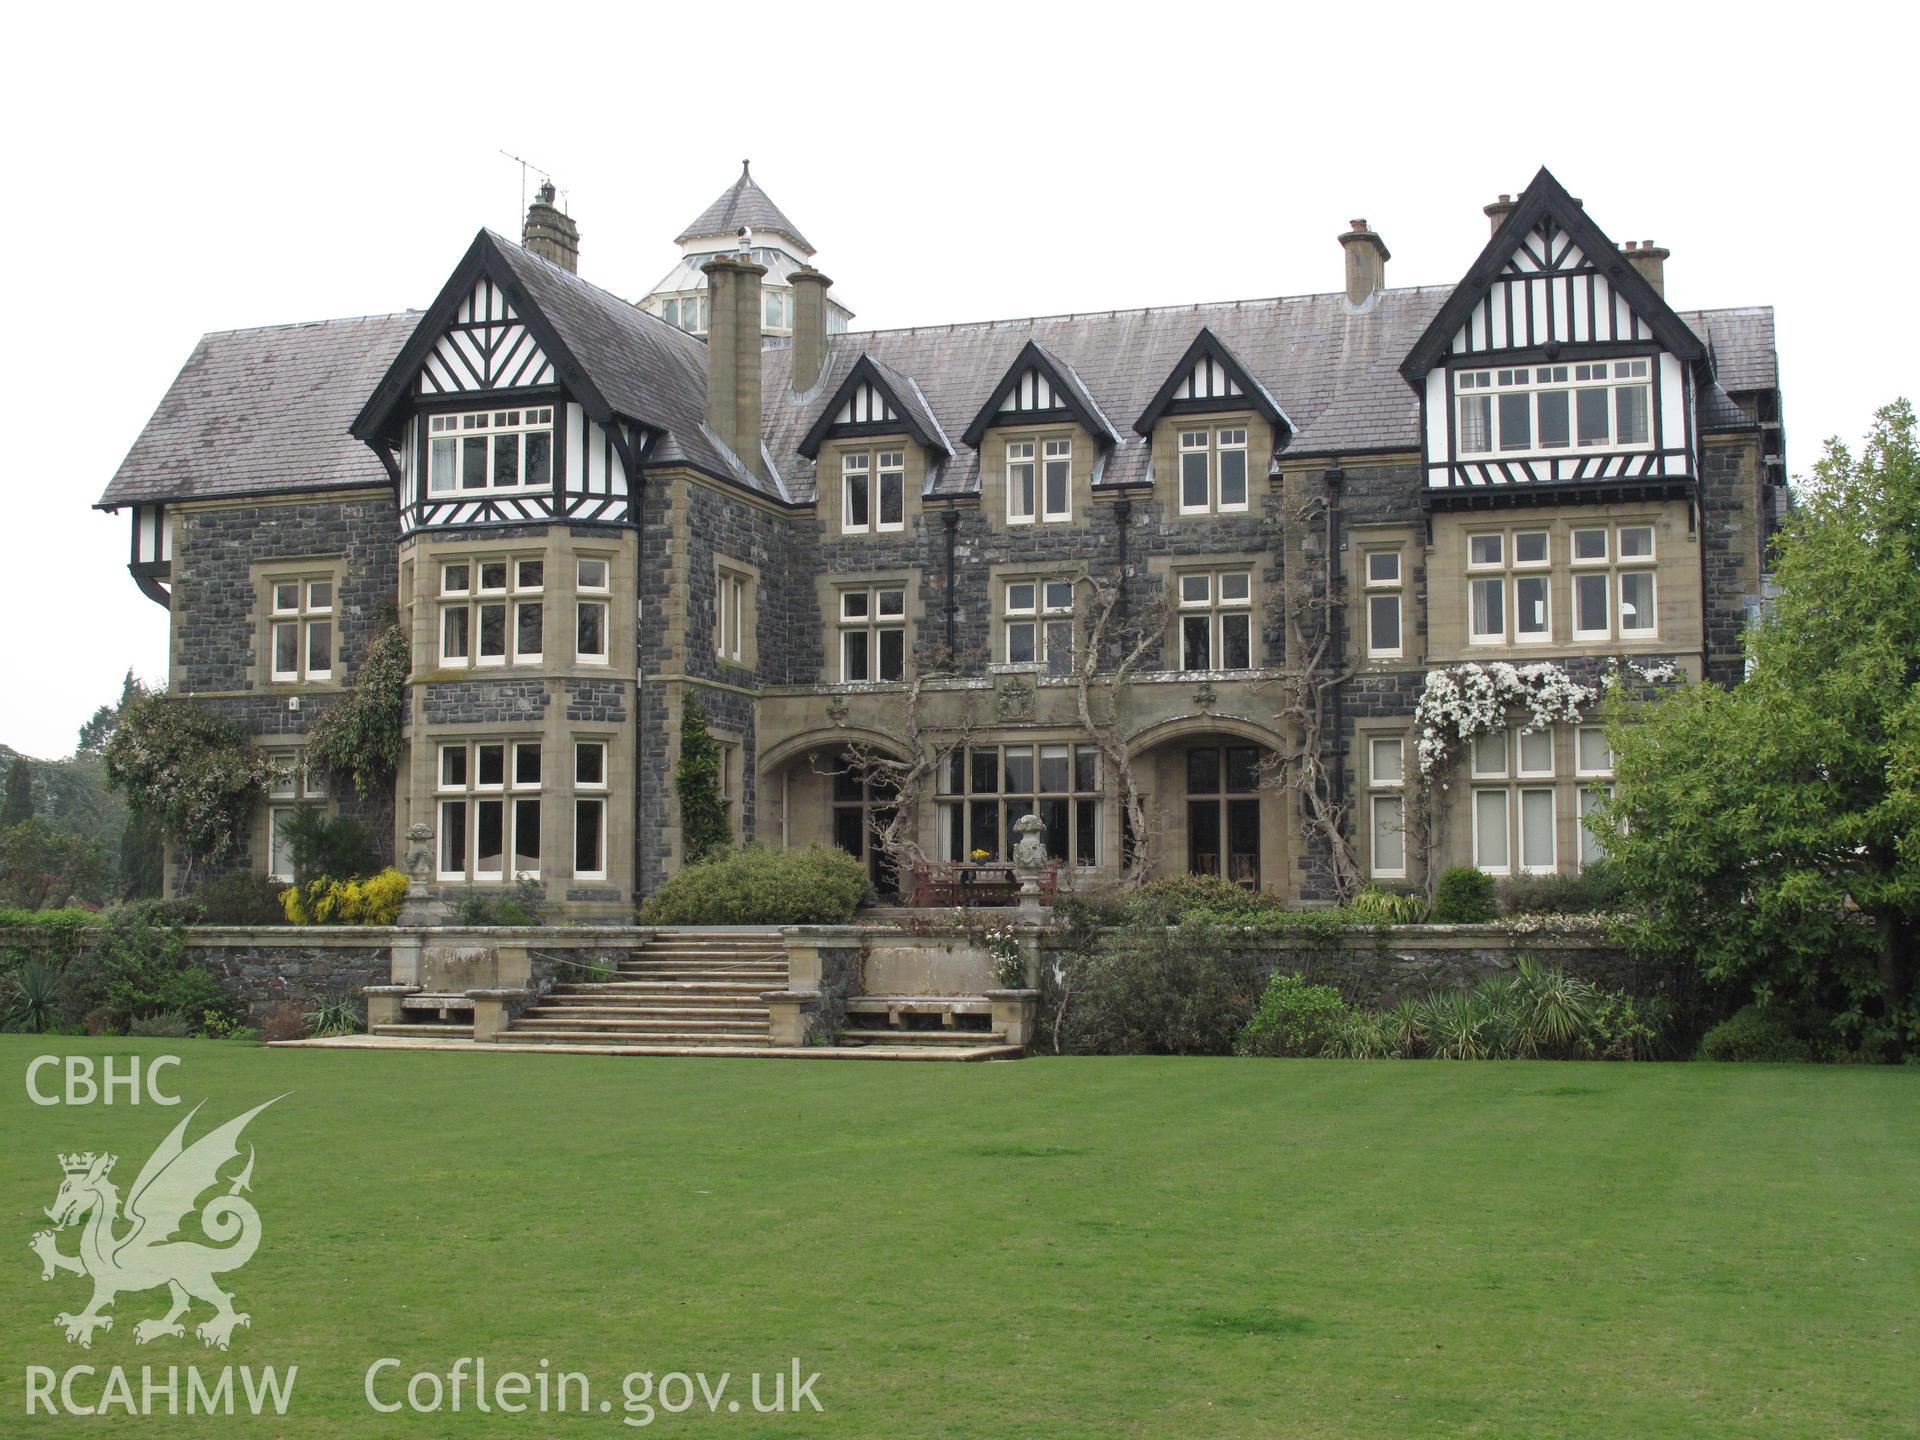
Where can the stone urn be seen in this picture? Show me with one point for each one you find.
(1030, 861)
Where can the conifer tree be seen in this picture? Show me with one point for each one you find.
(704, 826)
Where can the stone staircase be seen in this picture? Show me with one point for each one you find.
(682, 989)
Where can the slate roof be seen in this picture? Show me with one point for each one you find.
(742, 203)
(268, 410)
(1333, 370)
(1741, 343)
(264, 410)
(648, 370)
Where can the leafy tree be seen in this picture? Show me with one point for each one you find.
(100, 726)
(190, 769)
(18, 806)
(704, 826)
(360, 737)
(1773, 831)
(142, 855)
(41, 867)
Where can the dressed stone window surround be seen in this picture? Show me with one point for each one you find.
(300, 637)
(491, 610)
(1213, 470)
(488, 797)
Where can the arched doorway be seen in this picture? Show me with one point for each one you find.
(822, 795)
(1211, 802)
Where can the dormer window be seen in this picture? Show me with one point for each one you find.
(873, 492)
(1049, 483)
(490, 451)
(1213, 471)
(1541, 409)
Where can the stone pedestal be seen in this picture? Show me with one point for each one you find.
(492, 1011)
(383, 1003)
(1014, 1014)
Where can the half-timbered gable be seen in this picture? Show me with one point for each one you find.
(1556, 364)
(1208, 379)
(486, 347)
(1040, 389)
(872, 400)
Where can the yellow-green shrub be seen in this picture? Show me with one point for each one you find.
(373, 901)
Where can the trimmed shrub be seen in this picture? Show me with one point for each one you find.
(374, 901)
(1150, 990)
(1751, 1033)
(525, 904)
(1464, 897)
(821, 885)
(1178, 897)
(1294, 1018)
(241, 900)
(1593, 891)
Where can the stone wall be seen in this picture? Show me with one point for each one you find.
(265, 967)
(1394, 963)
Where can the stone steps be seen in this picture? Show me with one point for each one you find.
(422, 1030)
(669, 1024)
(955, 1039)
(589, 1007)
(518, 1034)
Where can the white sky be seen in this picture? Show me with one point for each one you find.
(180, 169)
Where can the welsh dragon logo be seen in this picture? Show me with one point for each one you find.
(134, 1250)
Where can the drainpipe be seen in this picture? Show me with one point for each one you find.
(1337, 616)
(1123, 512)
(950, 518)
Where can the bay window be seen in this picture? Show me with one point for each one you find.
(491, 611)
(490, 450)
(1540, 409)
(489, 810)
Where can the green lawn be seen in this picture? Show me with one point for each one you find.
(1161, 1248)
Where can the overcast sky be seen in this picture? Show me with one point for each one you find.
(181, 169)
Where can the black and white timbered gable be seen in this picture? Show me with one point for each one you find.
(487, 416)
(1555, 364)
(1209, 378)
(1041, 389)
(875, 399)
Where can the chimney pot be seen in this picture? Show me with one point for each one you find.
(1367, 257)
(1651, 261)
(550, 232)
(1498, 211)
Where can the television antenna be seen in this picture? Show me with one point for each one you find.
(528, 165)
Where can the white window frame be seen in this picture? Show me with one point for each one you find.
(1385, 588)
(1199, 444)
(1043, 617)
(1386, 785)
(1213, 602)
(732, 603)
(890, 471)
(1482, 389)
(449, 431)
(470, 793)
(303, 618)
(869, 622)
(471, 595)
(1021, 456)
(856, 465)
(600, 595)
(1505, 792)
(1517, 854)
(590, 791)
(290, 784)
(1055, 455)
(1230, 440)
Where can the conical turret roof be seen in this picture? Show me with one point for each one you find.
(742, 203)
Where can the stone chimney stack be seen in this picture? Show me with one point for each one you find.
(550, 233)
(1367, 257)
(1498, 211)
(733, 355)
(1651, 261)
(809, 326)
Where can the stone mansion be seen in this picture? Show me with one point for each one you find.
(926, 545)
